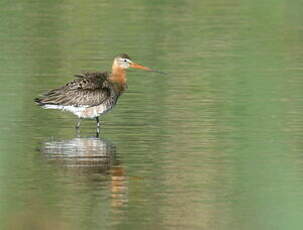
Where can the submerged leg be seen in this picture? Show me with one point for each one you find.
(78, 123)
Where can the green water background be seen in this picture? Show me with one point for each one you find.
(214, 144)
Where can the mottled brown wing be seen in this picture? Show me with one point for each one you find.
(89, 89)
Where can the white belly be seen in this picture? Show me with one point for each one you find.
(83, 111)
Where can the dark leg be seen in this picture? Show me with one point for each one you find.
(78, 123)
(98, 127)
(98, 122)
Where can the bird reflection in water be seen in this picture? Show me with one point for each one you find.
(82, 153)
(90, 155)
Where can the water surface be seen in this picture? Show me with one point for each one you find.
(214, 144)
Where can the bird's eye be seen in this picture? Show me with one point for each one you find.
(125, 60)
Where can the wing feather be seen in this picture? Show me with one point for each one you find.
(89, 89)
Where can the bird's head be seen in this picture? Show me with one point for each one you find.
(123, 61)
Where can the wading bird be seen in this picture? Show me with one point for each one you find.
(91, 94)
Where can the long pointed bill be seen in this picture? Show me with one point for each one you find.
(137, 66)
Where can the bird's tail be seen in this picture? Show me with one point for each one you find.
(38, 101)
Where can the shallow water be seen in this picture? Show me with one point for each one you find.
(214, 144)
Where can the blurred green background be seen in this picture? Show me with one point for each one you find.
(214, 144)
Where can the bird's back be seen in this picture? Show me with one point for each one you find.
(90, 95)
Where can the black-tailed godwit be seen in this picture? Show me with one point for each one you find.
(91, 94)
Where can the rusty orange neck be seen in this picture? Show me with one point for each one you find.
(118, 75)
